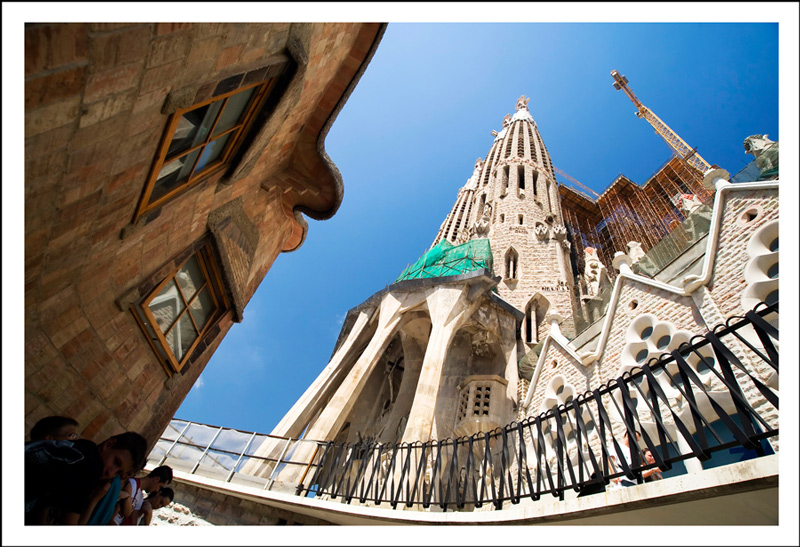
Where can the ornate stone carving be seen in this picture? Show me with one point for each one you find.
(541, 231)
(481, 227)
(595, 274)
(688, 204)
(480, 344)
(522, 103)
(756, 144)
(765, 151)
(560, 233)
(635, 251)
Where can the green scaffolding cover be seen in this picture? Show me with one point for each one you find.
(445, 259)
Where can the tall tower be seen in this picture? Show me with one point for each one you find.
(512, 199)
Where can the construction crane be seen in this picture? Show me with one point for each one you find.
(683, 150)
(566, 176)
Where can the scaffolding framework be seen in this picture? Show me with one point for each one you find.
(628, 212)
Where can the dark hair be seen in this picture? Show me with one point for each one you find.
(133, 443)
(166, 492)
(163, 472)
(49, 426)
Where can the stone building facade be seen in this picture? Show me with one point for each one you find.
(166, 167)
(454, 355)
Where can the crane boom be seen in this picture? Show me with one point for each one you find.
(566, 176)
(672, 139)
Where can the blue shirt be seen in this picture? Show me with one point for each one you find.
(105, 507)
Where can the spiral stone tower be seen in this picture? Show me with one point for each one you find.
(512, 199)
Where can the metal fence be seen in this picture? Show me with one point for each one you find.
(698, 401)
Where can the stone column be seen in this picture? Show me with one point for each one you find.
(449, 308)
(336, 412)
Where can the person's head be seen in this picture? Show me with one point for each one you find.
(162, 475)
(627, 442)
(55, 428)
(161, 498)
(122, 454)
(648, 457)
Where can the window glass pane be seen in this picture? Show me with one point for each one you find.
(202, 308)
(233, 111)
(166, 306)
(173, 175)
(212, 151)
(190, 278)
(184, 337)
(193, 127)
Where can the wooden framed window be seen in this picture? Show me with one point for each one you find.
(199, 141)
(183, 308)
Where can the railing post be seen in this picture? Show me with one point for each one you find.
(164, 458)
(197, 463)
(277, 464)
(247, 446)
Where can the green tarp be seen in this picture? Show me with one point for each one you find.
(447, 259)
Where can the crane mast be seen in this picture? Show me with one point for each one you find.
(672, 139)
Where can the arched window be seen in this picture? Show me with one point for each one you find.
(512, 264)
(521, 177)
(547, 189)
(535, 312)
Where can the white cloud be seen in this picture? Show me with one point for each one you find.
(198, 384)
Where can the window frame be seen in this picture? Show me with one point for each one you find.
(147, 322)
(240, 128)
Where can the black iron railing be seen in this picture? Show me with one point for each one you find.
(701, 399)
(697, 402)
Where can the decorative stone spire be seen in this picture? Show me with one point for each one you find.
(512, 199)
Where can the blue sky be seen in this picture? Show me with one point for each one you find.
(409, 135)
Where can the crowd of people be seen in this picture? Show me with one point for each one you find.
(69, 480)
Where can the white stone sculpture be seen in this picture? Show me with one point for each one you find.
(481, 227)
(635, 251)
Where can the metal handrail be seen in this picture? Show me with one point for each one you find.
(567, 447)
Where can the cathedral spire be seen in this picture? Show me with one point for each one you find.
(512, 199)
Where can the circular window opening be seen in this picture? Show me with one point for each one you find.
(569, 400)
(647, 332)
(663, 342)
(773, 246)
(570, 436)
(772, 298)
(560, 390)
(772, 273)
(553, 364)
(705, 364)
(633, 304)
(641, 357)
(589, 425)
(749, 215)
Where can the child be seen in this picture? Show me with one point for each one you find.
(157, 478)
(156, 500)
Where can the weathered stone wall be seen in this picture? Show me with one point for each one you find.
(225, 510)
(97, 100)
(720, 301)
(728, 281)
